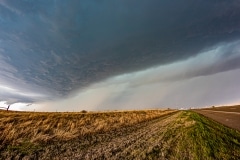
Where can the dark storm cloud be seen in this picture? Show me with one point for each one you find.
(222, 58)
(65, 45)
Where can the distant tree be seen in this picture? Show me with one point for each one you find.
(8, 107)
(213, 106)
(83, 111)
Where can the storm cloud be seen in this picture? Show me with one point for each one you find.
(52, 49)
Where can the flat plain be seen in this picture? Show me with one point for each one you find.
(235, 108)
(147, 134)
(227, 115)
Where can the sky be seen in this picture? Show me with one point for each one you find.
(58, 55)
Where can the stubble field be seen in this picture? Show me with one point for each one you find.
(147, 134)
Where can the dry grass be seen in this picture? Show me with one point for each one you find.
(29, 129)
(151, 134)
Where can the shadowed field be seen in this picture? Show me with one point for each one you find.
(149, 134)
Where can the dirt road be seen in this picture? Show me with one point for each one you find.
(230, 118)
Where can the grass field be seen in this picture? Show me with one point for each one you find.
(148, 134)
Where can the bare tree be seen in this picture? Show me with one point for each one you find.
(8, 107)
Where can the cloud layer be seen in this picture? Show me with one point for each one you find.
(51, 49)
(183, 84)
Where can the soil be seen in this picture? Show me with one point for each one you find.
(161, 138)
(135, 142)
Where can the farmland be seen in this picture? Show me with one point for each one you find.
(146, 134)
(227, 115)
(235, 108)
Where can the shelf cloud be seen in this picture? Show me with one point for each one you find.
(52, 50)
